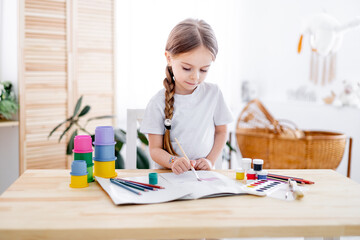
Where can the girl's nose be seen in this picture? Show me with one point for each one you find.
(195, 75)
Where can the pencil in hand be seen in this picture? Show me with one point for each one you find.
(192, 168)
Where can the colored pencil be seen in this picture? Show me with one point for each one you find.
(275, 179)
(298, 180)
(277, 175)
(140, 183)
(132, 185)
(123, 186)
(285, 179)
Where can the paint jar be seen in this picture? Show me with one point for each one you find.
(240, 174)
(262, 175)
(246, 163)
(82, 144)
(251, 174)
(90, 170)
(78, 174)
(153, 178)
(84, 156)
(105, 151)
(258, 164)
(105, 169)
(104, 135)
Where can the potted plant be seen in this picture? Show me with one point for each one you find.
(8, 103)
(120, 136)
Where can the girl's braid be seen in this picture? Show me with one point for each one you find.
(169, 85)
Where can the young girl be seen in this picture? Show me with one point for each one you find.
(188, 109)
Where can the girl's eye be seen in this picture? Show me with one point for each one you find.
(186, 69)
(204, 70)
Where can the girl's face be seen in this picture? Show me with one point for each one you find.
(190, 69)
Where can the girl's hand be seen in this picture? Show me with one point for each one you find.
(203, 164)
(181, 165)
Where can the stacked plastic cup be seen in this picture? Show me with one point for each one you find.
(83, 151)
(104, 160)
(79, 174)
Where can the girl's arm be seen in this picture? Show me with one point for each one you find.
(219, 142)
(162, 157)
(157, 153)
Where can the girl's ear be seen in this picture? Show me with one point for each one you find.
(168, 58)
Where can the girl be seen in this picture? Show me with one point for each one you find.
(188, 109)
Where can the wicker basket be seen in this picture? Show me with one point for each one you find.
(313, 149)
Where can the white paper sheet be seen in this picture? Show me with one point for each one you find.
(123, 196)
(184, 186)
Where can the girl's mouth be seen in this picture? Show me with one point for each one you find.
(192, 84)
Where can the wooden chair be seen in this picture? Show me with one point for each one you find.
(134, 117)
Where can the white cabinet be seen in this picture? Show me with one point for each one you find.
(9, 154)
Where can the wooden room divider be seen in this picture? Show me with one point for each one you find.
(66, 50)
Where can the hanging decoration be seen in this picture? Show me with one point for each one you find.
(326, 35)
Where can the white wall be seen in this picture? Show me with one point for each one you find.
(9, 136)
(270, 33)
(258, 42)
(142, 31)
(270, 60)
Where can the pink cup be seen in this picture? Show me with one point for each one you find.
(82, 144)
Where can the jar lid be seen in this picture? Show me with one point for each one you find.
(240, 170)
(258, 161)
(263, 172)
(246, 160)
(251, 171)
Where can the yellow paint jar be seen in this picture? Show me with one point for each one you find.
(104, 169)
(79, 181)
(240, 174)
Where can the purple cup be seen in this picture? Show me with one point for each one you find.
(104, 135)
(82, 144)
(78, 168)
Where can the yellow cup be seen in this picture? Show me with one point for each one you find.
(105, 169)
(240, 174)
(79, 181)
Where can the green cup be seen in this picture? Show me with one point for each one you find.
(84, 156)
(90, 170)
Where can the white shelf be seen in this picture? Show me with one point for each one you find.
(8, 123)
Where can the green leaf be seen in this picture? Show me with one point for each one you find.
(142, 160)
(143, 138)
(67, 129)
(119, 145)
(77, 107)
(101, 117)
(84, 111)
(8, 107)
(119, 162)
(120, 135)
(52, 131)
(70, 145)
(230, 147)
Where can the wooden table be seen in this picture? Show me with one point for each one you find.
(41, 205)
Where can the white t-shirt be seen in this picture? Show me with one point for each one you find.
(194, 119)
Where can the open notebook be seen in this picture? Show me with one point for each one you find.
(177, 187)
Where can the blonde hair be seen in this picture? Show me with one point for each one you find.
(184, 37)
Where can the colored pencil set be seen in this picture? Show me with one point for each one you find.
(132, 185)
(286, 178)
